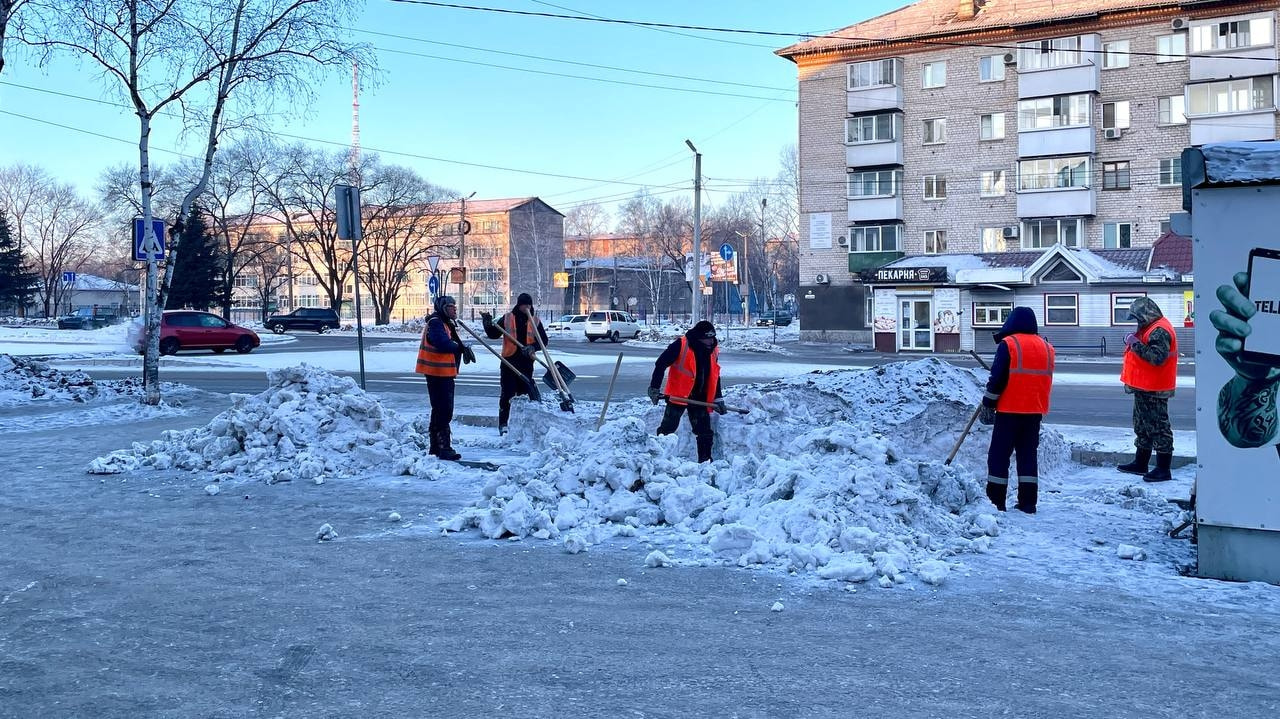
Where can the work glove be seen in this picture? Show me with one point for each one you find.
(467, 355)
(654, 395)
(721, 407)
(486, 319)
(987, 415)
(529, 351)
(1130, 340)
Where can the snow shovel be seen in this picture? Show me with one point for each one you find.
(696, 403)
(566, 374)
(963, 434)
(566, 399)
(533, 388)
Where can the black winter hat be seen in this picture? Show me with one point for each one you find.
(524, 299)
(702, 330)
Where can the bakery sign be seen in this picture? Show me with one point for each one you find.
(905, 276)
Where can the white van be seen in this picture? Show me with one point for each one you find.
(611, 324)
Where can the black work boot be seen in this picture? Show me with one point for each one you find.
(434, 436)
(1028, 493)
(1139, 463)
(996, 493)
(446, 446)
(704, 449)
(1161, 473)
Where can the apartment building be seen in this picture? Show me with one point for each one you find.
(961, 157)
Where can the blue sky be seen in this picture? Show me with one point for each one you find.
(503, 117)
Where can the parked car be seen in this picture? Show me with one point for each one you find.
(567, 323)
(87, 318)
(769, 318)
(320, 319)
(192, 329)
(612, 324)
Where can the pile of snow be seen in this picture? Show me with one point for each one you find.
(307, 425)
(43, 322)
(23, 380)
(736, 339)
(836, 472)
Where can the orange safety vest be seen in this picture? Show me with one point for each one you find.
(432, 362)
(1030, 375)
(509, 324)
(1142, 375)
(681, 373)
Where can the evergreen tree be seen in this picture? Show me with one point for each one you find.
(17, 284)
(195, 277)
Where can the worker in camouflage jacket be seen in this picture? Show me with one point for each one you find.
(1150, 374)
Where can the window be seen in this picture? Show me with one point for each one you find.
(1061, 309)
(486, 274)
(935, 242)
(874, 73)
(1173, 110)
(1115, 175)
(991, 68)
(991, 127)
(1046, 54)
(991, 183)
(1231, 35)
(991, 314)
(874, 183)
(245, 281)
(1171, 172)
(1120, 308)
(868, 307)
(993, 239)
(1165, 226)
(1244, 95)
(935, 131)
(1171, 48)
(1115, 115)
(874, 238)
(934, 74)
(871, 128)
(1117, 235)
(1115, 54)
(1044, 113)
(1053, 173)
(1038, 234)
(935, 187)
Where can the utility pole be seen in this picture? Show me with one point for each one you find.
(463, 229)
(746, 260)
(696, 302)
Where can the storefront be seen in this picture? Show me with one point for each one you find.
(913, 310)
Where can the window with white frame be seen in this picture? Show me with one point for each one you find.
(868, 307)
(1045, 113)
(1231, 35)
(874, 183)
(1117, 235)
(1038, 234)
(308, 300)
(993, 239)
(991, 183)
(935, 131)
(1115, 54)
(308, 280)
(1172, 110)
(991, 314)
(486, 274)
(1171, 172)
(1171, 48)
(1115, 115)
(874, 238)
(935, 187)
(875, 73)
(1116, 175)
(871, 128)
(1047, 54)
(1053, 173)
(935, 242)
(1243, 95)
(991, 126)
(1165, 226)
(991, 68)
(245, 281)
(1120, 308)
(1061, 309)
(934, 74)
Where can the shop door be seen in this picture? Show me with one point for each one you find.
(915, 332)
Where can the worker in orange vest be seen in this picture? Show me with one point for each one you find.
(521, 323)
(439, 355)
(692, 367)
(1016, 401)
(1150, 374)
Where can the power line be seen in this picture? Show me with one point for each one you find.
(669, 32)
(90, 132)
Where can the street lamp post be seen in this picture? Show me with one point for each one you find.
(695, 303)
(462, 250)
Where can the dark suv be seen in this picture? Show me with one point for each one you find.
(320, 319)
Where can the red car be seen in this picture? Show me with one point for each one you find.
(192, 329)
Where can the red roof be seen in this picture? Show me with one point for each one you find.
(1173, 251)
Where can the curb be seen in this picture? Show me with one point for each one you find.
(1095, 458)
(476, 420)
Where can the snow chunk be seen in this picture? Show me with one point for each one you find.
(657, 559)
(393, 517)
(777, 607)
(933, 572)
(211, 489)
(326, 532)
(1128, 551)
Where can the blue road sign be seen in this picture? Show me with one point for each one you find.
(140, 253)
(68, 278)
(726, 252)
(433, 285)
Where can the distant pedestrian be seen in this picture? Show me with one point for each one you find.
(1150, 374)
(1015, 403)
(521, 322)
(440, 354)
(692, 367)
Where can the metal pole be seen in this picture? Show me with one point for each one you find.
(696, 302)
(354, 214)
(746, 262)
(462, 251)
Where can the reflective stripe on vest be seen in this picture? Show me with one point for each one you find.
(432, 362)
(509, 324)
(1140, 374)
(1031, 360)
(682, 373)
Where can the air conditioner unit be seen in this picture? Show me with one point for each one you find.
(1009, 232)
(842, 241)
(1179, 24)
(1112, 133)
(1010, 58)
(823, 279)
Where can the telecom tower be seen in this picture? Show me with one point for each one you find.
(353, 160)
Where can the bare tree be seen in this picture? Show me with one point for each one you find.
(8, 16)
(236, 204)
(268, 263)
(782, 225)
(586, 221)
(20, 188)
(61, 226)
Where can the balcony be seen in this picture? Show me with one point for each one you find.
(875, 208)
(1233, 127)
(1086, 76)
(873, 154)
(859, 261)
(881, 97)
(1082, 201)
(1244, 62)
(1057, 141)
